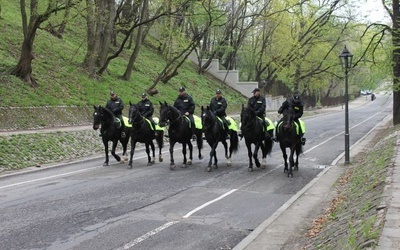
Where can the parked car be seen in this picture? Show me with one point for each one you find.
(365, 92)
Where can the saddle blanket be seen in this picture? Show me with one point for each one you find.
(302, 124)
(232, 123)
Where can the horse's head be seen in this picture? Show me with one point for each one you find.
(164, 114)
(288, 117)
(247, 116)
(101, 115)
(97, 116)
(134, 113)
(207, 117)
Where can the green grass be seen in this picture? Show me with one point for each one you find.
(62, 81)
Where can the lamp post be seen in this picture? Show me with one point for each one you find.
(346, 58)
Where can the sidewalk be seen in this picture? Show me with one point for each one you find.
(274, 232)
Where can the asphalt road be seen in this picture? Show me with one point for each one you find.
(84, 205)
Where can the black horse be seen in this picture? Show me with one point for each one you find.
(109, 132)
(289, 138)
(179, 130)
(215, 133)
(143, 132)
(254, 133)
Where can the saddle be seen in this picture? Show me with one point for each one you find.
(118, 123)
(302, 124)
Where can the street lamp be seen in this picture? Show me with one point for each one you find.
(346, 58)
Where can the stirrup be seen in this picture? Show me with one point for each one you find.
(123, 135)
(303, 141)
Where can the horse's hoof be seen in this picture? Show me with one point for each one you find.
(160, 159)
(200, 157)
(215, 166)
(105, 164)
(172, 166)
(258, 165)
(149, 163)
(126, 159)
(184, 166)
(250, 169)
(189, 162)
(208, 169)
(130, 166)
(296, 168)
(229, 164)
(121, 161)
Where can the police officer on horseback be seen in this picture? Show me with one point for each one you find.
(296, 103)
(218, 107)
(146, 109)
(115, 105)
(258, 104)
(185, 104)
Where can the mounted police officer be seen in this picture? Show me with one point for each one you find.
(146, 109)
(258, 104)
(115, 105)
(218, 107)
(185, 104)
(296, 103)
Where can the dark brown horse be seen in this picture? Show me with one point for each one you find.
(179, 130)
(214, 132)
(143, 132)
(254, 133)
(104, 118)
(289, 138)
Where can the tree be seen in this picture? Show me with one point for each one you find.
(23, 69)
(100, 18)
(396, 60)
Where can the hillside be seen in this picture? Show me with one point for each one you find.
(62, 81)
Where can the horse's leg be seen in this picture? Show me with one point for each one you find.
(249, 154)
(291, 160)
(106, 152)
(153, 150)
(199, 140)
(283, 148)
(190, 145)
(227, 156)
(133, 146)
(124, 143)
(171, 155)
(114, 147)
(184, 155)
(264, 156)
(298, 150)
(160, 143)
(226, 148)
(255, 154)
(212, 153)
(148, 153)
(215, 155)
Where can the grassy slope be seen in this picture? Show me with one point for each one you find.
(63, 82)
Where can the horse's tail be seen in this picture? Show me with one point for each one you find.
(160, 138)
(268, 143)
(234, 141)
(199, 138)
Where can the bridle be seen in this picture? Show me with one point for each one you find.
(132, 120)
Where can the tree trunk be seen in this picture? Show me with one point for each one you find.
(396, 63)
(92, 43)
(23, 69)
(139, 39)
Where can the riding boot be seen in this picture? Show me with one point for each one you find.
(302, 139)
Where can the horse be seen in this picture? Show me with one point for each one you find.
(143, 132)
(109, 132)
(254, 133)
(288, 138)
(179, 130)
(214, 132)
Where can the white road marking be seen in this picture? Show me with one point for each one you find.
(208, 203)
(147, 235)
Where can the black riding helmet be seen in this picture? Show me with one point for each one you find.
(296, 97)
